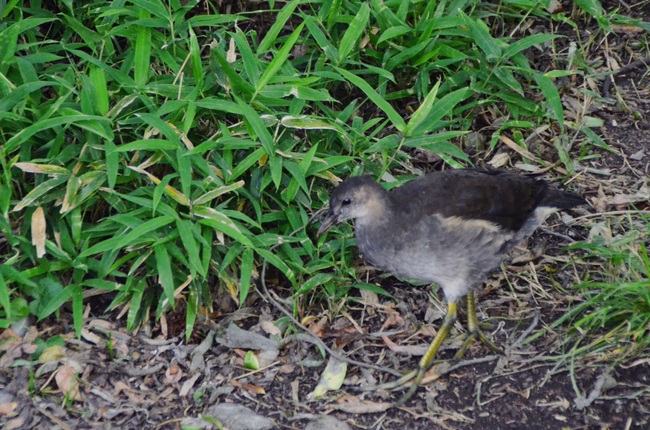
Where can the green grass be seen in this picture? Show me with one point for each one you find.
(612, 317)
(171, 148)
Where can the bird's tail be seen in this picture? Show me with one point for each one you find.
(562, 199)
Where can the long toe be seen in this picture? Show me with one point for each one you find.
(474, 330)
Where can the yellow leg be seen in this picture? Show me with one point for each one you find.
(474, 330)
(427, 358)
(416, 376)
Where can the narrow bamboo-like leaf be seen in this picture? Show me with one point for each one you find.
(71, 190)
(313, 282)
(511, 83)
(95, 124)
(55, 303)
(234, 79)
(307, 123)
(19, 94)
(147, 145)
(184, 170)
(278, 60)
(77, 309)
(142, 57)
(552, 96)
(134, 303)
(423, 111)
(527, 42)
(243, 166)
(321, 39)
(251, 62)
(382, 104)
(164, 269)
(280, 20)
(393, 32)
(275, 165)
(195, 55)
(190, 313)
(41, 168)
(101, 91)
(245, 273)
(443, 107)
(39, 191)
(169, 190)
(276, 261)
(112, 163)
(165, 128)
(222, 223)
(146, 227)
(354, 32)
(5, 300)
(213, 194)
(189, 243)
(258, 126)
(481, 36)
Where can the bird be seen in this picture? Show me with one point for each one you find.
(449, 227)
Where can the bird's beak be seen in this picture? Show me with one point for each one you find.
(330, 221)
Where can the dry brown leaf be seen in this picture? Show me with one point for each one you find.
(91, 337)
(188, 384)
(173, 374)
(416, 350)
(7, 408)
(254, 389)
(499, 160)
(643, 195)
(39, 228)
(365, 407)
(66, 380)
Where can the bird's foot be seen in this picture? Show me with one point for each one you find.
(473, 335)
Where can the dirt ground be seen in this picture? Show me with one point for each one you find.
(152, 379)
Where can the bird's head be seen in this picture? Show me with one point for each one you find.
(359, 198)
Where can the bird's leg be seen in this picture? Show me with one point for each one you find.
(417, 375)
(474, 330)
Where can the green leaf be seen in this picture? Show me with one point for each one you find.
(222, 223)
(278, 60)
(142, 57)
(393, 116)
(354, 32)
(245, 272)
(278, 25)
(552, 96)
(39, 191)
(423, 111)
(189, 243)
(165, 276)
(481, 36)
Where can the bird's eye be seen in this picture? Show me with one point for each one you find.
(346, 202)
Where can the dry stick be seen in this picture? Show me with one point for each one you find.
(609, 80)
(266, 295)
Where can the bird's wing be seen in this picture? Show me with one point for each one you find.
(500, 197)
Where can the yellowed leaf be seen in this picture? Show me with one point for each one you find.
(52, 353)
(39, 228)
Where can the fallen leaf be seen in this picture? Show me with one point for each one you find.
(66, 380)
(331, 379)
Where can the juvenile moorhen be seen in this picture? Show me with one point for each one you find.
(450, 227)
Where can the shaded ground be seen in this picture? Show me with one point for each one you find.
(136, 381)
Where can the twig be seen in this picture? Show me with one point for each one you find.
(266, 295)
(609, 80)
